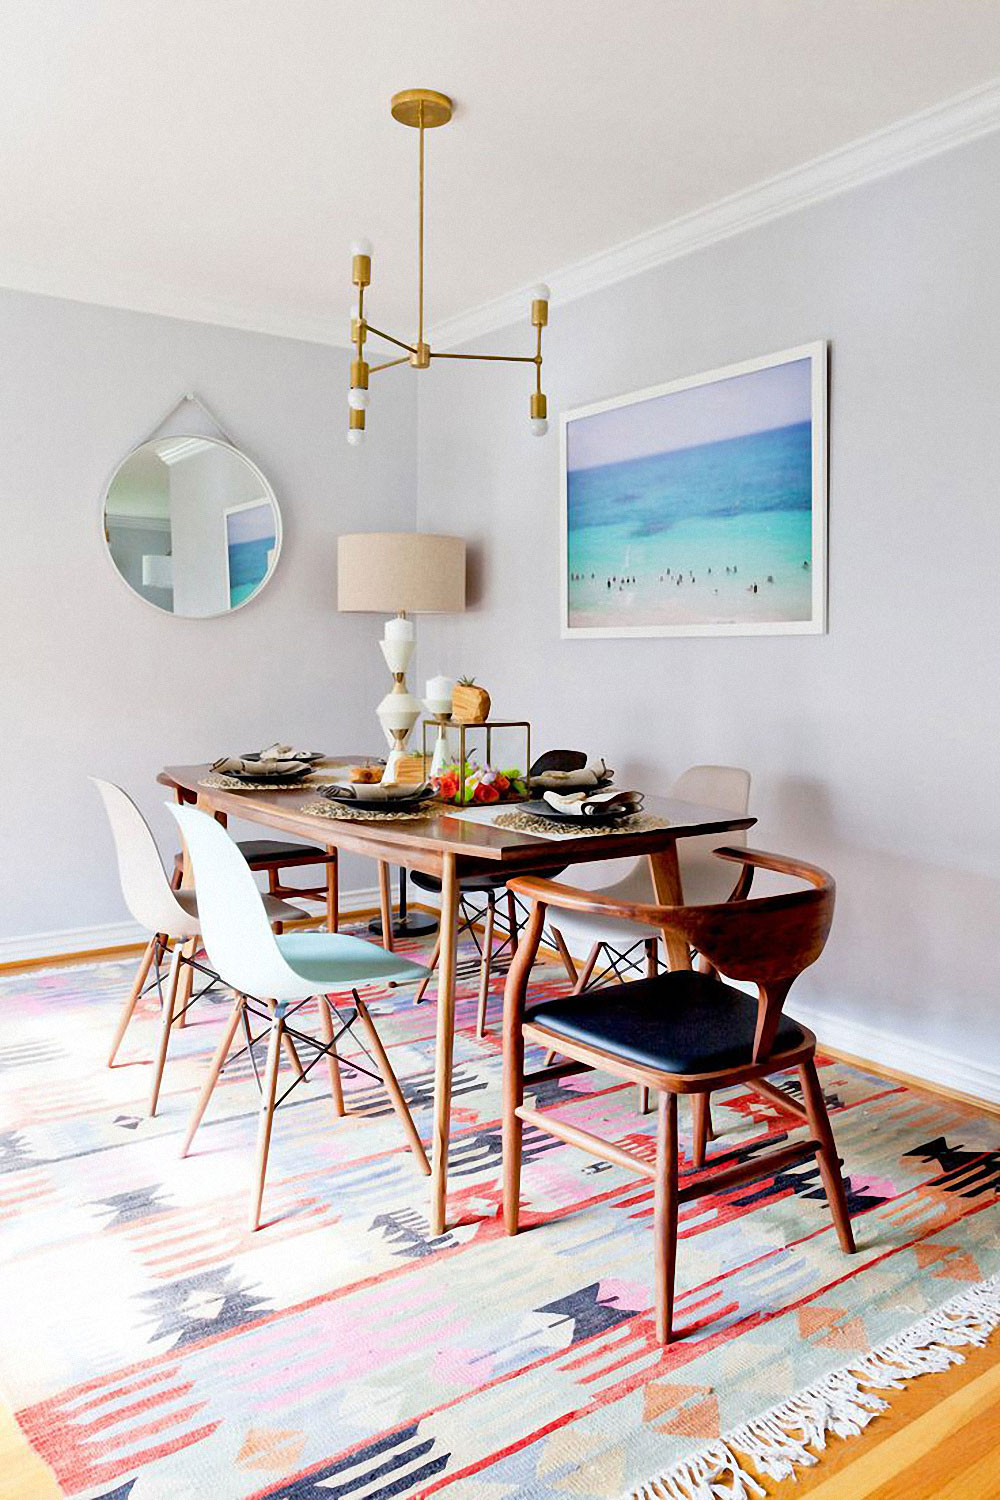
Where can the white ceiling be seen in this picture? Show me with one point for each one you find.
(214, 158)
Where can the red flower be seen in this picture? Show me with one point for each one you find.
(485, 792)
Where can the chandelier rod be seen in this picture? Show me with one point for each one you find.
(420, 252)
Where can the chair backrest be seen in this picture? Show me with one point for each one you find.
(144, 884)
(703, 878)
(768, 940)
(234, 926)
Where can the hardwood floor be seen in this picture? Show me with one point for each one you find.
(940, 1440)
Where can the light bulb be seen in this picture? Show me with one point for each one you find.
(355, 435)
(539, 426)
(361, 247)
(358, 399)
(540, 293)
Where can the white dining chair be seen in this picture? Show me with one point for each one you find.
(629, 947)
(170, 916)
(274, 977)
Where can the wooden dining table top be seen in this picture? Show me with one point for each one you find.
(440, 831)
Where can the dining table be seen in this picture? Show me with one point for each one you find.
(451, 843)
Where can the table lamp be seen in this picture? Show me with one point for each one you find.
(401, 573)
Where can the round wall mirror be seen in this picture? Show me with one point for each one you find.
(191, 525)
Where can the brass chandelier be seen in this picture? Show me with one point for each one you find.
(424, 109)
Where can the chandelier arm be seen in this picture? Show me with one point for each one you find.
(378, 332)
(388, 365)
(508, 359)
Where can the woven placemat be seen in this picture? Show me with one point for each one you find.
(521, 822)
(221, 783)
(345, 813)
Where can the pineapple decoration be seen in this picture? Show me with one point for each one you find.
(469, 704)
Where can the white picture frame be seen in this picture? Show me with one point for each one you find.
(802, 601)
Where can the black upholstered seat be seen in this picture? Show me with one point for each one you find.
(480, 884)
(678, 1023)
(275, 851)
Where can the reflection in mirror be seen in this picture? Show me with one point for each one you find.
(192, 525)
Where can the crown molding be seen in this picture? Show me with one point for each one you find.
(956, 121)
(913, 139)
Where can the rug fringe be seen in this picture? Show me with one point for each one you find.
(782, 1439)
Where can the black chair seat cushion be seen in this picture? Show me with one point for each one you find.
(680, 1023)
(480, 884)
(274, 852)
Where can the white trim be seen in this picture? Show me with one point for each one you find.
(70, 940)
(913, 139)
(953, 122)
(816, 352)
(900, 1053)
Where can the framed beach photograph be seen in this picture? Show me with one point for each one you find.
(251, 539)
(700, 507)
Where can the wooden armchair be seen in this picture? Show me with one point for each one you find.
(681, 1033)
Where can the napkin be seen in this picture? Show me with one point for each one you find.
(254, 768)
(595, 773)
(378, 792)
(278, 751)
(580, 805)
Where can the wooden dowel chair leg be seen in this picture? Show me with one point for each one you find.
(512, 923)
(567, 958)
(513, 1125)
(393, 1089)
(326, 1031)
(217, 1064)
(266, 1118)
(699, 1109)
(485, 965)
(166, 1021)
(829, 1161)
(186, 982)
(665, 1215)
(435, 956)
(145, 964)
(583, 978)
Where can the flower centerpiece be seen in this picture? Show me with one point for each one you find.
(473, 783)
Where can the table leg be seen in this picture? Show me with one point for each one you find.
(385, 904)
(445, 1045)
(666, 873)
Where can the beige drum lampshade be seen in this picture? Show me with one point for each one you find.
(384, 572)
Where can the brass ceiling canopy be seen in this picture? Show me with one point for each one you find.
(425, 109)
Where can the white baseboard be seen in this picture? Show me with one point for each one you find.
(900, 1054)
(32, 946)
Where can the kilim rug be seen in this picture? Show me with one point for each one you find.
(153, 1349)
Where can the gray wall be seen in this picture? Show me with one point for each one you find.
(92, 680)
(874, 749)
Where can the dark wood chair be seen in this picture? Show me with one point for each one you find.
(271, 856)
(681, 1033)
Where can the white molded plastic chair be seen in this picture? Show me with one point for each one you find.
(273, 977)
(704, 879)
(171, 917)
